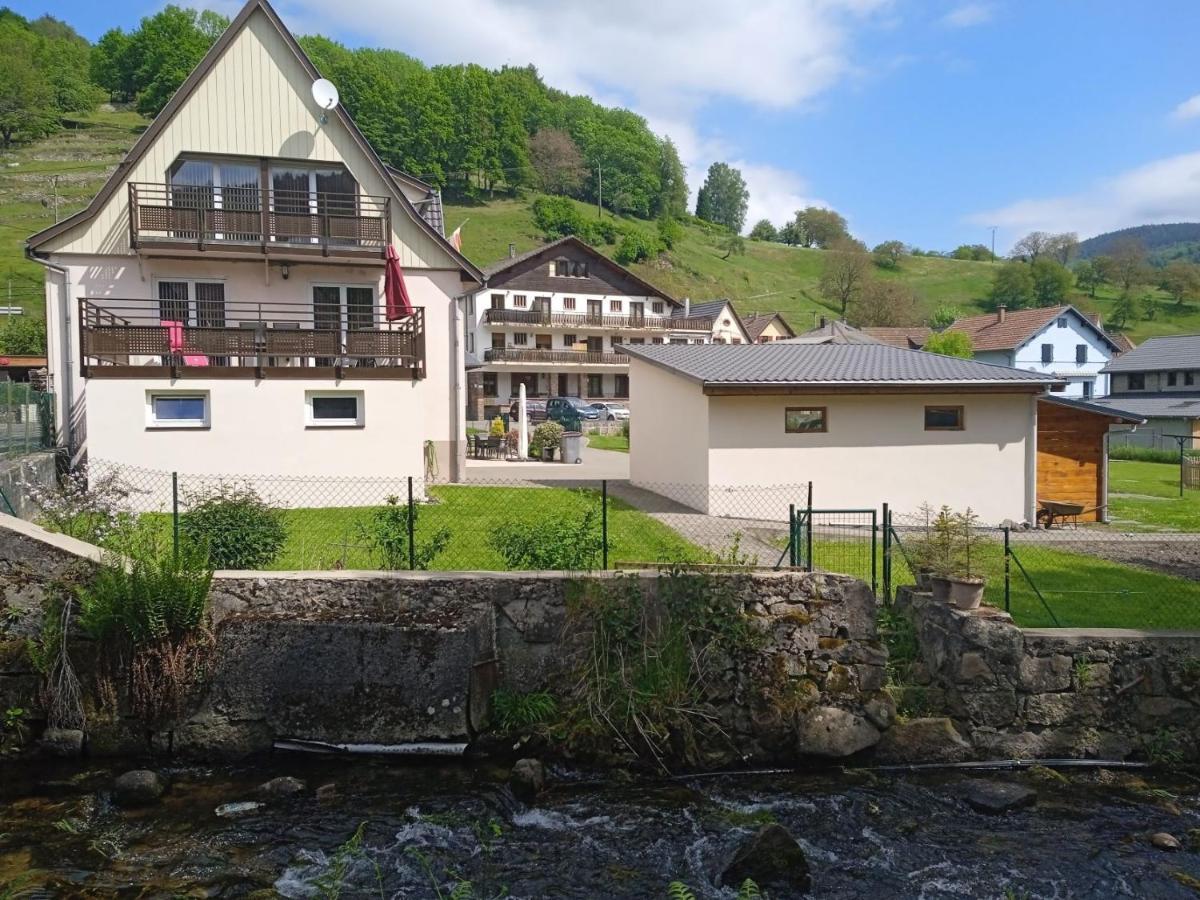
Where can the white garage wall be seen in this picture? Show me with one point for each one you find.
(668, 422)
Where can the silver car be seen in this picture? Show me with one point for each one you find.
(611, 412)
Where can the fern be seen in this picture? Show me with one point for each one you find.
(749, 891)
(677, 890)
(462, 891)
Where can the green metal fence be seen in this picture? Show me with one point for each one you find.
(26, 419)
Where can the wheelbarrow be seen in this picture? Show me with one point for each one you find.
(1061, 511)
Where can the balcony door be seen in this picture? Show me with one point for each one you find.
(306, 201)
(595, 310)
(190, 302)
(215, 200)
(343, 309)
(637, 313)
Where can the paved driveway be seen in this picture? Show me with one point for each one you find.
(597, 465)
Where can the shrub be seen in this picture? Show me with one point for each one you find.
(1145, 454)
(602, 231)
(238, 527)
(558, 217)
(514, 711)
(559, 542)
(94, 509)
(670, 232)
(496, 429)
(548, 434)
(636, 246)
(387, 529)
(625, 429)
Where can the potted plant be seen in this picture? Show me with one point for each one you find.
(921, 551)
(545, 440)
(940, 554)
(966, 586)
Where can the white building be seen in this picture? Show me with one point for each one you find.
(556, 318)
(219, 306)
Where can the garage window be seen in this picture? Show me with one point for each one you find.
(330, 409)
(943, 418)
(804, 420)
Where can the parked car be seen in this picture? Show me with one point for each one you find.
(611, 412)
(535, 408)
(567, 411)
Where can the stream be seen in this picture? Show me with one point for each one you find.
(428, 831)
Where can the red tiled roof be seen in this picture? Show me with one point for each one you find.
(906, 338)
(988, 332)
(756, 324)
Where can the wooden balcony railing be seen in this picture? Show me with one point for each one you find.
(577, 357)
(260, 220)
(540, 319)
(161, 338)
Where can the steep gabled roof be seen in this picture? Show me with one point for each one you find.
(712, 309)
(909, 337)
(833, 332)
(782, 364)
(1174, 351)
(197, 75)
(756, 324)
(496, 272)
(1018, 327)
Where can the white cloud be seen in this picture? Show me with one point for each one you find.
(1188, 109)
(1165, 190)
(968, 15)
(775, 193)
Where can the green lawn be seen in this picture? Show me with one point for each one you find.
(330, 538)
(1155, 503)
(618, 442)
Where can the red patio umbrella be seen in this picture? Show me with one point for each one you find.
(398, 304)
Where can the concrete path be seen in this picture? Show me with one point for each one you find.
(597, 466)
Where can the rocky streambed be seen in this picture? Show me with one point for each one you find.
(356, 828)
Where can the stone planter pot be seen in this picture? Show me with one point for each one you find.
(923, 582)
(940, 588)
(966, 593)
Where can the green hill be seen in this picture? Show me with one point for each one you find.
(776, 277)
(1163, 243)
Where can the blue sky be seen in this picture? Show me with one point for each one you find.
(924, 121)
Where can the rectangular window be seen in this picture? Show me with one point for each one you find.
(1080, 354)
(804, 420)
(333, 409)
(520, 339)
(656, 306)
(568, 341)
(943, 418)
(1047, 354)
(177, 410)
(1137, 381)
(490, 384)
(637, 340)
(470, 342)
(1087, 390)
(1061, 322)
(595, 385)
(614, 306)
(497, 301)
(520, 301)
(1172, 378)
(621, 389)
(543, 342)
(678, 340)
(1189, 379)
(568, 303)
(735, 340)
(567, 268)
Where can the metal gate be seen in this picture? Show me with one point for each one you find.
(844, 541)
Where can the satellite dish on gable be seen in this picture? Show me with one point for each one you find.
(325, 94)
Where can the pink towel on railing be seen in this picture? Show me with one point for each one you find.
(175, 343)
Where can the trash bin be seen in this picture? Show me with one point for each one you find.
(571, 444)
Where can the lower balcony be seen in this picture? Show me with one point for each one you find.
(229, 339)
(555, 357)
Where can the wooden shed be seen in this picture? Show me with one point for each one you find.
(1072, 458)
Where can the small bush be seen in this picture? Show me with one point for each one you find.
(670, 232)
(1144, 454)
(558, 543)
(386, 531)
(558, 217)
(625, 429)
(602, 231)
(239, 528)
(514, 711)
(548, 434)
(92, 507)
(636, 246)
(496, 429)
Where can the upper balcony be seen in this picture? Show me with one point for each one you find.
(213, 338)
(536, 318)
(554, 357)
(169, 219)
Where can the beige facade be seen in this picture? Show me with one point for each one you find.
(711, 449)
(249, 104)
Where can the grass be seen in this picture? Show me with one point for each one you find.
(617, 442)
(330, 538)
(774, 277)
(1151, 498)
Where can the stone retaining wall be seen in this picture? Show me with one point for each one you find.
(36, 468)
(1061, 692)
(393, 658)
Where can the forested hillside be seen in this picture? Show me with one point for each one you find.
(1163, 243)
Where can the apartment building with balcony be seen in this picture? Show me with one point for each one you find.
(219, 306)
(557, 318)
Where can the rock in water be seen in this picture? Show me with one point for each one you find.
(527, 779)
(233, 810)
(773, 859)
(833, 732)
(1164, 841)
(284, 786)
(139, 787)
(922, 741)
(997, 796)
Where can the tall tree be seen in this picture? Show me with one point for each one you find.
(1062, 247)
(1089, 275)
(886, 303)
(672, 180)
(1012, 286)
(165, 48)
(557, 162)
(845, 271)
(888, 254)
(820, 227)
(1031, 246)
(1051, 281)
(1128, 264)
(27, 108)
(1180, 279)
(950, 343)
(763, 230)
(723, 198)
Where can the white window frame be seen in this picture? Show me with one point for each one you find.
(153, 422)
(191, 281)
(311, 421)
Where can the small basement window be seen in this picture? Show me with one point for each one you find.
(943, 418)
(177, 410)
(804, 420)
(333, 409)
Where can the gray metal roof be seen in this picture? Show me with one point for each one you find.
(709, 307)
(1092, 406)
(831, 333)
(1156, 406)
(1176, 351)
(780, 363)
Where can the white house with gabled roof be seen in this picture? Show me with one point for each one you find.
(219, 307)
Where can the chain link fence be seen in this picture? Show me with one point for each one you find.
(26, 419)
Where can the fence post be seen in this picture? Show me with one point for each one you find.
(792, 535)
(874, 551)
(604, 523)
(412, 516)
(808, 533)
(1007, 568)
(887, 553)
(175, 513)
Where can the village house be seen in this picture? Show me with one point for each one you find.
(1159, 381)
(253, 290)
(766, 327)
(865, 423)
(555, 320)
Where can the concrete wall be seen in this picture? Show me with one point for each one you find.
(668, 421)
(16, 473)
(876, 450)
(1051, 693)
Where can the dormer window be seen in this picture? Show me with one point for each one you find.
(569, 268)
(1137, 381)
